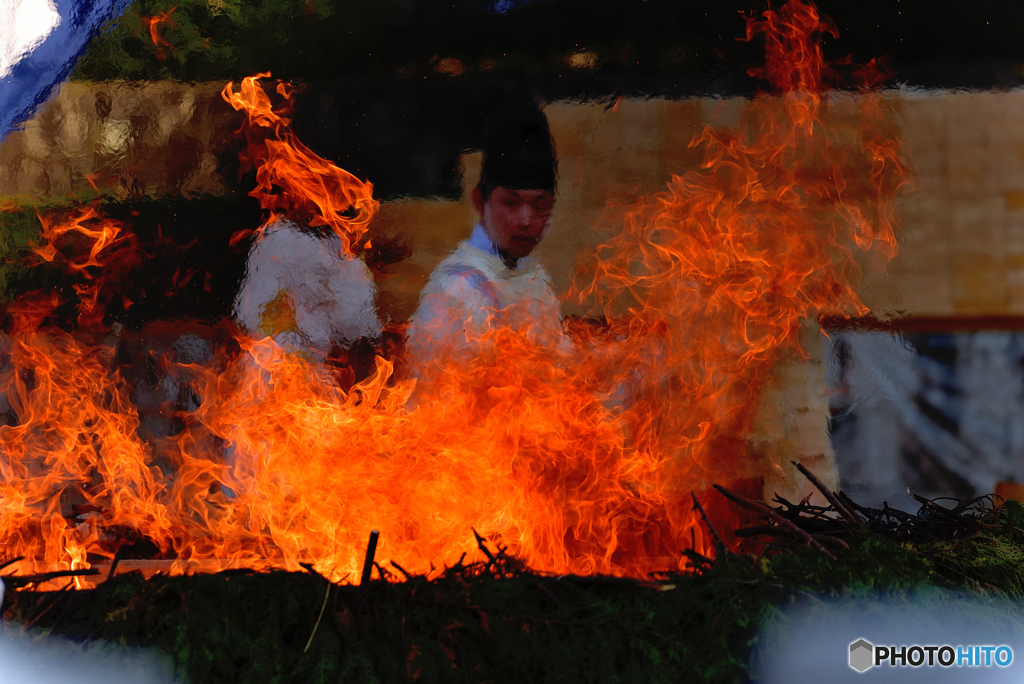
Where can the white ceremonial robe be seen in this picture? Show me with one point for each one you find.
(472, 291)
(299, 290)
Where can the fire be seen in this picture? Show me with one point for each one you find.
(153, 25)
(577, 461)
(291, 180)
(711, 279)
(112, 254)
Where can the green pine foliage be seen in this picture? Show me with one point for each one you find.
(502, 623)
(19, 230)
(229, 39)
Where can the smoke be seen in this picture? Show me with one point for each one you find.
(810, 641)
(32, 658)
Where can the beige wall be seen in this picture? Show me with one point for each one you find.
(962, 233)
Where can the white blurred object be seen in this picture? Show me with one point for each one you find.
(809, 639)
(27, 658)
(943, 425)
(300, 291)
(24, 24)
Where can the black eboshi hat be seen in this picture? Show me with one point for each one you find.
(518, 152)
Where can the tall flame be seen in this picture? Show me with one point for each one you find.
(712, 278)
(290, 178)
(578, 461)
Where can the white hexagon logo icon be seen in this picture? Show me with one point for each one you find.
(862, 655)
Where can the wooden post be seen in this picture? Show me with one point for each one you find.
(371, 551)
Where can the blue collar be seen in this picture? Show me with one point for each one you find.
(482, 241)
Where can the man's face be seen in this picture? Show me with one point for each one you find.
(515, 220)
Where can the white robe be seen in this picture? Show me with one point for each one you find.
(472, 291)
(299, 290)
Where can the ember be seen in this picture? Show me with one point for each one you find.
(581, 463)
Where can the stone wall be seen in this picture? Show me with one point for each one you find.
(129, 139)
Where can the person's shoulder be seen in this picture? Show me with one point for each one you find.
(466, 262)
(287, 242)
(464, 274)
(280, 230)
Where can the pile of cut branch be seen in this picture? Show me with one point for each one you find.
(490, 618)
(832, 526)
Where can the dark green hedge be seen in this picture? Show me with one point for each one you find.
(501, 623)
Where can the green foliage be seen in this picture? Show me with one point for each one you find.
(254, 627)
(873, 562)
(475, 624)
(214, 39)
(327, 39)
(19, 229)
(992, 560)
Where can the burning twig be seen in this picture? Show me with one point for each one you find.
(851, 504)
(770, 512)
(777, 531)
(718, 537)
(805, 521)
(933, 507)
(371, 551)
(12, 561)
(827, 493)
(829, 539)
(13, 581)
(967, 503)
(483, 547)
(113, 563)
(697, 559)
(700, 509)
(401, 570)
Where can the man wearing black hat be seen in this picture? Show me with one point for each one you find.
(490, 278)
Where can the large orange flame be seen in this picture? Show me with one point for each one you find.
(292, 180)
(712, 279)
(578, 460)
